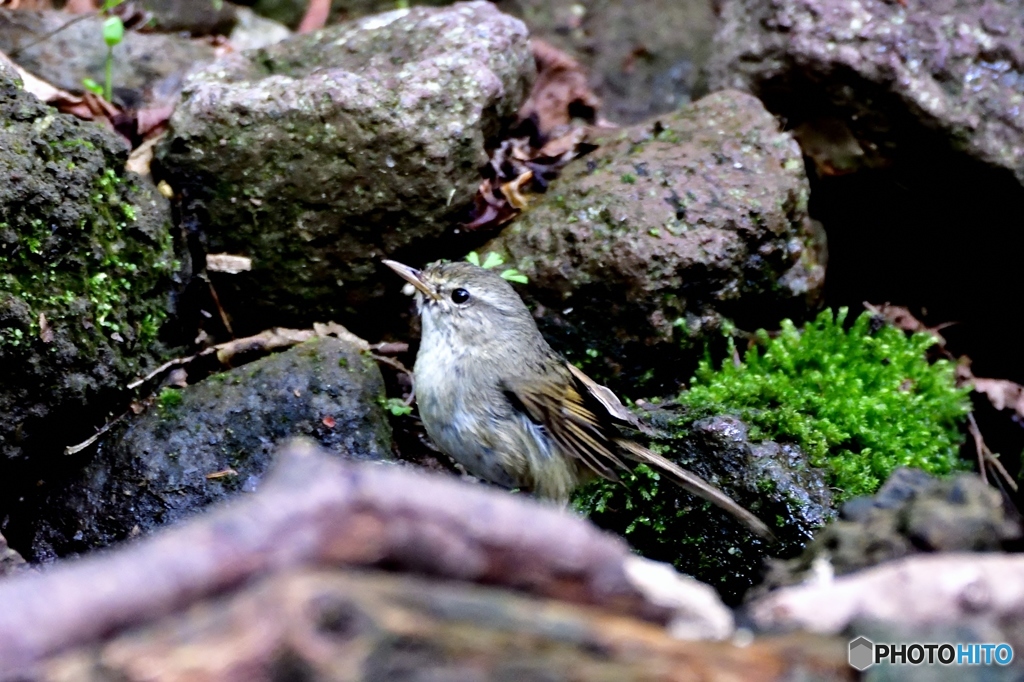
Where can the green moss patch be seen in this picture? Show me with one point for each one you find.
(860, 402)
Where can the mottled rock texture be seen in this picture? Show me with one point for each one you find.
(196, 17)
(956, 66)
(670, 226)
(321, 154)
(158, 470)
(87, 274)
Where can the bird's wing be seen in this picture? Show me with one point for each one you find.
(578, 413)
(557, 405)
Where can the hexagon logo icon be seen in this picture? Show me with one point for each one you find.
(862, 653)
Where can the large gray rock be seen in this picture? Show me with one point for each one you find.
(670, 226)
(878, 67)
(87, 274)
(321, 154)
(158, 470)
(147, 67)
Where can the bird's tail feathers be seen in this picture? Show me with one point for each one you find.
(694, 484)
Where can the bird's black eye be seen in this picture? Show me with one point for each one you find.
(460, 296)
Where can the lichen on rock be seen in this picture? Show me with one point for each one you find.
(88, 269)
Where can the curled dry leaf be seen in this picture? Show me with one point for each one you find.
(545, 139)
(1002, 393)
(45, 330)
(902, 318)
(560, 93)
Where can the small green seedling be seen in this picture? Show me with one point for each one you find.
(493, 260)
(113, 34)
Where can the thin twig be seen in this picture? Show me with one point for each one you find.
(220, 309)
(986, 457)
(391, 362)
(75, 449)
(979, 445)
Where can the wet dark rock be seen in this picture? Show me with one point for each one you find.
(89, 272)
(642, 248)
(644, 58)
(195, 17)
(214, 439)
(320, 154)
(883, 67)
(147, 67)
(772, 480)
(912, 513)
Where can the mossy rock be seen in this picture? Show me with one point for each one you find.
(642, 249)
(88, 270)
(321, 154)
(819, 415)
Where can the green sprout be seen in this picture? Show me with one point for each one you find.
(113, 34)
(92, 86)
(397, 407)
(493, 260)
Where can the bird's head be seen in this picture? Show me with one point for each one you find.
(467, 303)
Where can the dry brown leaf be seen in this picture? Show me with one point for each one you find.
(45, 330)
(902, 318)
(1002, 393)
(560, 92)
(142, 156)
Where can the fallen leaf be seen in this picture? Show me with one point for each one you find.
(560, 93)
(902, 318)
(1002, 393)
(142, 156)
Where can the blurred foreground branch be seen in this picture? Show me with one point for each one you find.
(316, 510)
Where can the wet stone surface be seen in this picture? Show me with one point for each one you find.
(214, 439)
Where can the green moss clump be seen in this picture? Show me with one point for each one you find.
(169, 398)
(829, 413)
(859, 402)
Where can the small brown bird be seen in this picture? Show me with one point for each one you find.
(496, 398)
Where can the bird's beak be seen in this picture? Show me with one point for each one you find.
(413, 277)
